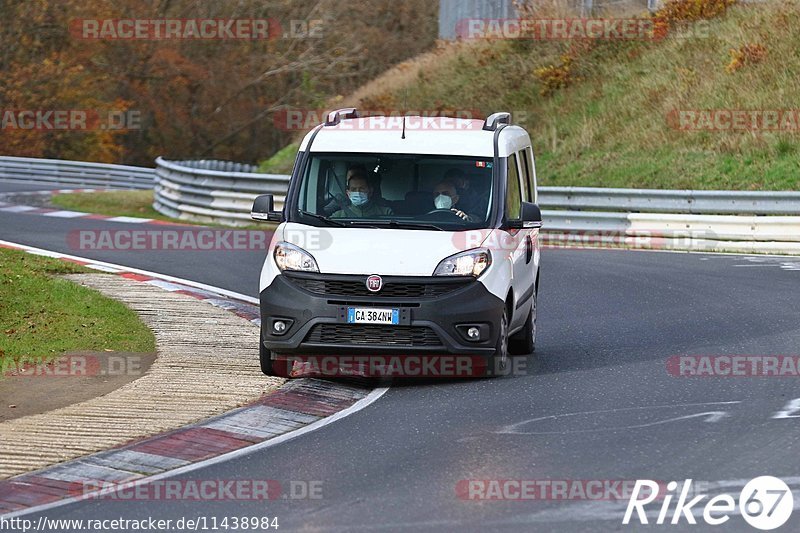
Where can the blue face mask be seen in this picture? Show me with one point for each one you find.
(358, 198)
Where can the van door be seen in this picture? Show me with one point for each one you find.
(517, 191)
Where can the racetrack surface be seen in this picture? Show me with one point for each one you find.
(595, 403)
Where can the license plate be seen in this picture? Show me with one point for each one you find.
(372, 315)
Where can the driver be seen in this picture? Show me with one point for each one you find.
(469, 200)
(360, 192)
(445, 196)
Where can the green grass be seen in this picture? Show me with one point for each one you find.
(43, 316)
(112, 203)
(609, 128)
(128, 204)
(281, 162)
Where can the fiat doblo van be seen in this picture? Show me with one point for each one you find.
(403, 235)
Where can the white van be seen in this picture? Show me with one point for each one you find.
(403, 235)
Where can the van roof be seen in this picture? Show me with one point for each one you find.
(423, 135)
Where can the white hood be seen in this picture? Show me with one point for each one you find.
(386, 252)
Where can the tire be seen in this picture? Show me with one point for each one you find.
(523, 342)
(270, 367)
(498, 362)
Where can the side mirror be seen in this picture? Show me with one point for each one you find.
(264, 209)
(531, 217)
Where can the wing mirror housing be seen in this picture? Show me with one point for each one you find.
(264, 209)
(531, 217)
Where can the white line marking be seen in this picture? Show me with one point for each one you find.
(190, 283)
(710, 417)
(65, 214)
(18, 208)
(358, 406)
(364, 402)
(130, 220)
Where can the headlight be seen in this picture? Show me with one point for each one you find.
(290, 257)
(469, 263)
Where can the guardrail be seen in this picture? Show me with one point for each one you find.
(213, 191)
(724, 221)
(676, 201)
(82, 173)
(223, 192)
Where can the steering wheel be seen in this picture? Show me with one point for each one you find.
(443, 214)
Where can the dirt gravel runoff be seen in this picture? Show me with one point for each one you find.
(75, 377)
(206, 364)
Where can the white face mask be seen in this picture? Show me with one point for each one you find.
(443, 202)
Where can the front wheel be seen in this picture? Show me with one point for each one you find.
(498, 362)
(524, 341)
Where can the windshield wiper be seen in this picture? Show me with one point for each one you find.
(396, 224)
(323, 218)
(362, 223)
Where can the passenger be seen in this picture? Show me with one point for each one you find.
(445, 196)
(360, 192)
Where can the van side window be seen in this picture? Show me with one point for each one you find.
(531, 173)
(523, 165)
(513, 198)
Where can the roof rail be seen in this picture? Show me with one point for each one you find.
(335, 117)
(492, 121)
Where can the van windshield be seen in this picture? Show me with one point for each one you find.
(396, 190)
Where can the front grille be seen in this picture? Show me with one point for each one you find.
(391, 289)
(373, 335)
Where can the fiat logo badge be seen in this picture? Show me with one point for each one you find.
(374, 283)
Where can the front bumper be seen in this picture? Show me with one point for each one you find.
(435, 313)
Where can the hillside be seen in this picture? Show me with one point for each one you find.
(608, 116)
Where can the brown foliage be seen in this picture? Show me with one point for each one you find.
(747, 54)
(196, 98)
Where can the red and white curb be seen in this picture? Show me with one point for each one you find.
(240, 304)
(298, 407)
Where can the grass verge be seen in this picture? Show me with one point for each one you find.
(129, 204)
(42, 316)
(112, 203)
(281, 162)
(605, 121)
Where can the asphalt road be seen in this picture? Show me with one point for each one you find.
(595, 403)
(233, 270)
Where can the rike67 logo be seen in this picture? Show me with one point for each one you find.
(765, 503)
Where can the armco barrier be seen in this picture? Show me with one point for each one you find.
(221, 191)
(213, 191)
(722, 220)
(675, 201)
(81, 173)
